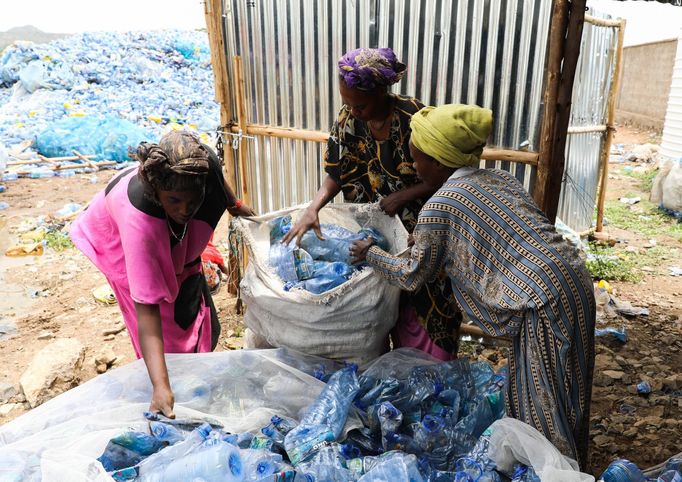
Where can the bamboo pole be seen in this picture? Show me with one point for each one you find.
(48, 160)
(611, 114)
(586, 129)
(557, 161)
(240, 98)
(491, 154)
(553, 77)
(602, 22)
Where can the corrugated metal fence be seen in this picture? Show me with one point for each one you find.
(488, 52)
(593, 80)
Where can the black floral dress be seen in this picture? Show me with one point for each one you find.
(367, 170)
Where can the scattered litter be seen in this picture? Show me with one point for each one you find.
(630, 200)
(67, 210)
(626, 309)
(3, 188)
(603, 284)
(651, 244)
(644, 388)
(625, 408)
(620, 335)
(7, 330)
(104, 294)
(643, 153)
(3, 205)
(34, 249)
(675, 271)
(622, 470)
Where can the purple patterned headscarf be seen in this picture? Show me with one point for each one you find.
(364, 69)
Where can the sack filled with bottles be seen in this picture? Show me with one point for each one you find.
(318, 265)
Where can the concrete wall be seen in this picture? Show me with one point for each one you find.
(645, 84)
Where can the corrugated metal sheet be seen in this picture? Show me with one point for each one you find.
(671, 144)
(593, 81)
(488, 52)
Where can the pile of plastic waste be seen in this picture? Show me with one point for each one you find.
(318, 265)
(128, 86)
(421, 423)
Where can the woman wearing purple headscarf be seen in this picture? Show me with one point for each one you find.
(368, 158)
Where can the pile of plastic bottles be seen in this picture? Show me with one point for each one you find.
(148, 79)
(318, 265)
(421, 425)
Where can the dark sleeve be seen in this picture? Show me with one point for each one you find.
(332, 160)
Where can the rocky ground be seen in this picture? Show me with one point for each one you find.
(56, 335)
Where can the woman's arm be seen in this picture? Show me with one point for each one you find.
(393, 203)
(425, 260)
(234, 206)
(150, 337)
(310, 219)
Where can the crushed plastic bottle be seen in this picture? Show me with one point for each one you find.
(40, 173)
(258, 464)
(150, 467)
(68, 208)
(325, 417)
(3, 188)
(217, 462)
(622, 470)
(620, 335)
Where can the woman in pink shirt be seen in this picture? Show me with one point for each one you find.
(146, 231)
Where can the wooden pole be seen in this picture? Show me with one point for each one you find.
(49, 160)
(555, 167)
(611, 114)
(492, 154)
(556, 53)
(240, 97)
(213, 13)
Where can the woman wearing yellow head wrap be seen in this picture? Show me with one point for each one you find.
(510, 272)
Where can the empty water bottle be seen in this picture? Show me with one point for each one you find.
(152, 464)
(336, 268)
(394, 468)
(279, 226)
(260, 463)
(670, 476)
(282, 260)
(165, 432)
(68, 208)
(128, 449)
(217, 462)
(430, 433)
(325, 417)
(523, 473)
(622, 470)
(10, 176)
(39, 173)
(390, 418)
(3, 188)
(322, 284)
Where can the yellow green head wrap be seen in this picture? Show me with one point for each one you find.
(453, 134)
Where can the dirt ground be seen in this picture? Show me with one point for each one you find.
(50, 296)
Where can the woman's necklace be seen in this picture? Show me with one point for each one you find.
(177, 238)
(379, 128)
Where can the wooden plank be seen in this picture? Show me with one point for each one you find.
(556, 164)
(611, 115)
(522, 157)
(555, 56)
(240, 97)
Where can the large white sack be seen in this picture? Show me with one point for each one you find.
(672, 188)
(350, 322)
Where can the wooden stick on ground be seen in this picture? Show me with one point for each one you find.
(85, 160)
